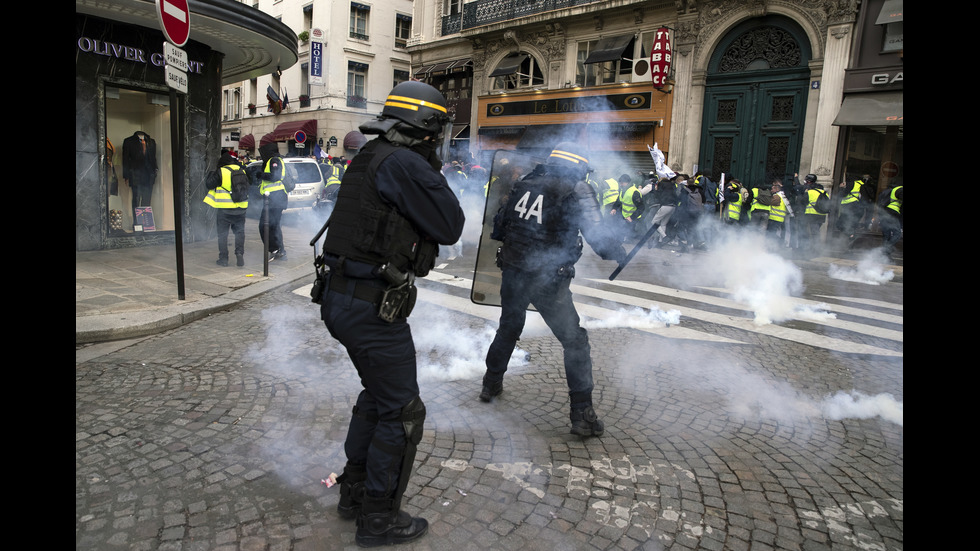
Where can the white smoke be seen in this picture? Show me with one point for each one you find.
(636, 318)
(857, 405)
(766, 282)
(869, 270)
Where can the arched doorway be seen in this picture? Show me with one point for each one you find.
(755, 102)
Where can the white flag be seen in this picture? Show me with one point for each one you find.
(663, 170)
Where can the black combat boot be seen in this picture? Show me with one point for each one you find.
(382, 523)
(585, 422)
(491, 388)
(351, 491)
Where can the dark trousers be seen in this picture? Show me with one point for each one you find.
(234, 220)
(384, 355)
(891, 229)
(552, 298)
(273, 219)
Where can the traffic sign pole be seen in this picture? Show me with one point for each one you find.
(175, 21)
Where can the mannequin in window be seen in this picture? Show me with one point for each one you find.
(140, 166)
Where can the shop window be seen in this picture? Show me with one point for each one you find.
(139, 182)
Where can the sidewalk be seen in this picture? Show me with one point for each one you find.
(133, 292)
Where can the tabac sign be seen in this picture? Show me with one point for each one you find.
(660, 58)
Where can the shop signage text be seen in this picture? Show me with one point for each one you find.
(586, 104)
(660, 58)
(129, 53)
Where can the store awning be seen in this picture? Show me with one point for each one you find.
(609, 49)
(461, 132)
(547, 136)
(354, 140)
(459, 65)
(287, 130)
(891, 12)
(247, 142)
(423, 71)
(443, 67)
(873, 109)
(509, 65)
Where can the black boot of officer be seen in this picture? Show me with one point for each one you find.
(584, 420)
(491, 388)
(351, 490)
(382, 522)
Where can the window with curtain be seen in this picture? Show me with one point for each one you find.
(359, 20)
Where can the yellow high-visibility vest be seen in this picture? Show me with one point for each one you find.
(220, 197)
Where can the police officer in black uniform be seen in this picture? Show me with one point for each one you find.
(393, 209)
(539, 226)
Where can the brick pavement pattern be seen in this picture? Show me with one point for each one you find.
(216, 436)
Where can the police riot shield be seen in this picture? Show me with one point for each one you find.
(507, 168)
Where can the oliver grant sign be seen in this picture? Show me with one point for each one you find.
(129, 53)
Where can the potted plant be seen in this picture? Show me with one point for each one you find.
(251, 109)
(304, 36)
(304, 101)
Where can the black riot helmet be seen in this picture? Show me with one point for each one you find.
(418, 105)
(570, 156)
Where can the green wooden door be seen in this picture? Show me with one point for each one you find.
(755, 103)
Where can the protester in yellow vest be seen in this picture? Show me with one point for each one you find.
(229, 214)
(855, 206)
(733, 198)
(273, 190)
(779, 211)
(892, 221)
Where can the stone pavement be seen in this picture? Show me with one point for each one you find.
(197, 437)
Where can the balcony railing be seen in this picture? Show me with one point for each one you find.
(485, 12)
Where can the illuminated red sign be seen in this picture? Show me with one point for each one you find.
(660, 58)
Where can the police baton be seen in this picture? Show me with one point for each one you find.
(636, 248)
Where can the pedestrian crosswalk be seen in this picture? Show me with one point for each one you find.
(663, 311)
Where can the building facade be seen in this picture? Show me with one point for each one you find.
(751, 91)
(871, 116)
(142, 148)
(350, 56)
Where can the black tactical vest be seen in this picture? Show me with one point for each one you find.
(540, 225)
(366, 229)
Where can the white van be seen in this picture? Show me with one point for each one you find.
(305, 174)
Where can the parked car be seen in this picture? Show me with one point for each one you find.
(305, 174)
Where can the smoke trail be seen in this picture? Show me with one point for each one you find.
(636, 318)
(450, 351)
(869, 270)
(857, 405)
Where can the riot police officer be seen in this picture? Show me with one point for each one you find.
(393, 209)
(539, 226)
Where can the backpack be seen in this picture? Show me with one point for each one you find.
(239, 186)
(694, 203)
(822, 204)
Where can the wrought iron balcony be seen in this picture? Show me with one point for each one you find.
(485, 12)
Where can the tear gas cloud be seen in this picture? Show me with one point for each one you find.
(764, 281)
(869, 269)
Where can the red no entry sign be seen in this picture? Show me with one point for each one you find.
(175, 20)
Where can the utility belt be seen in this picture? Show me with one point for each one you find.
(392, 291)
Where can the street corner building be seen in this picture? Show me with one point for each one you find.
(143, 149)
